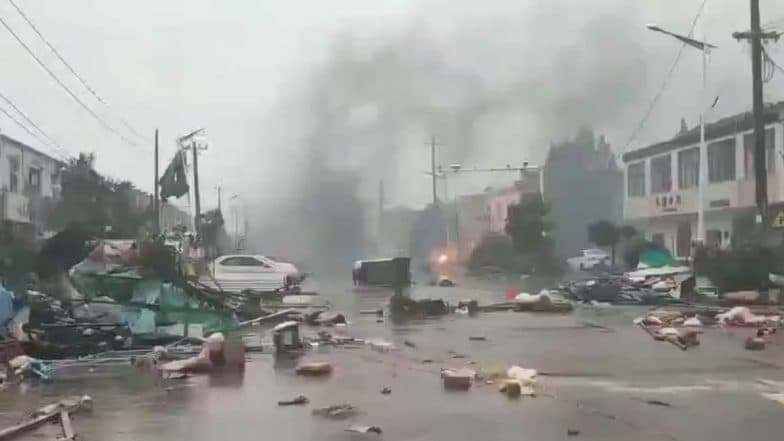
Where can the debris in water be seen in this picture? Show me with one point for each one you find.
(755, 343)
(460, 379)
(314, 369)
(365, 429)
(301, 399)
(658, 403)
(338, 411)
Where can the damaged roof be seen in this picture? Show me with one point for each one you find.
(726, 126)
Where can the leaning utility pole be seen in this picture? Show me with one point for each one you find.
(760, 171)
(156, 200)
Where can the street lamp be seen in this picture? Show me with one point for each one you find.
(703, 47)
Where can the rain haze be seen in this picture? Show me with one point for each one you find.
(308, 105)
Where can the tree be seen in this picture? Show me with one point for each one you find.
(497, 250)
(604, 234)
(527, 225)
(90, 202)
(627, 232)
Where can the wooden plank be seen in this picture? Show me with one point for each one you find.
(65, 422)
(13, 431)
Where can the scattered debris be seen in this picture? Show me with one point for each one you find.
(285, 337)
(300, 399)
(381, 346)
(216, 354)
(365, 429)
(337, 411)
(460, 379)
(572, 432)
(409, 343)
(755, 344)
(386, 391)
(470, 304)
(477, 338)
(742, 316)
(658, 403)
(427, 361)
(23, 366)
(326, 318)
(50, 413)
(314, 369)
(459, 356)
(545, 301)
(511, 388)
(445, 281)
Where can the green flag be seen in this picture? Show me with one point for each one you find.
(174, 182)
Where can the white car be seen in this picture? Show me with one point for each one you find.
(588, 259)
(239, 272)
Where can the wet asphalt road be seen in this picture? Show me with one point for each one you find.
(598, 374)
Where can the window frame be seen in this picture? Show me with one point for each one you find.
(14, 168)
(719, 171)
(683, 183)
(637, 167)
(663, 185)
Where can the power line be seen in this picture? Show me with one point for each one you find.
(63, 85)
(68, 65)
(30, 121)
(33, 134)
(666, 81)
(771, 61)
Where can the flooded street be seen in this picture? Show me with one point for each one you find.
(598, 375)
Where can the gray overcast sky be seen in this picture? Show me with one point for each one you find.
(232, 66)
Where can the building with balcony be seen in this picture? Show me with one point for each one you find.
(29, 184)
(660, 190)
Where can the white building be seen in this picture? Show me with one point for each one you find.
(661, 181)
(29, 183)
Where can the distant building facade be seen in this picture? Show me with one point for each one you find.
(29, 185)
(660, 190)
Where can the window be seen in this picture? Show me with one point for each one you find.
(243, 261)
(688, 168)
(721, 161)
(748, 152)
(34, 180)
(636, 179)
(13, 174)
(661, 174)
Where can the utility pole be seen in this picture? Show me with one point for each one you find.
(197, 201)
(756, 36)
(219, 188)
(156, 208)
(433, 167)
